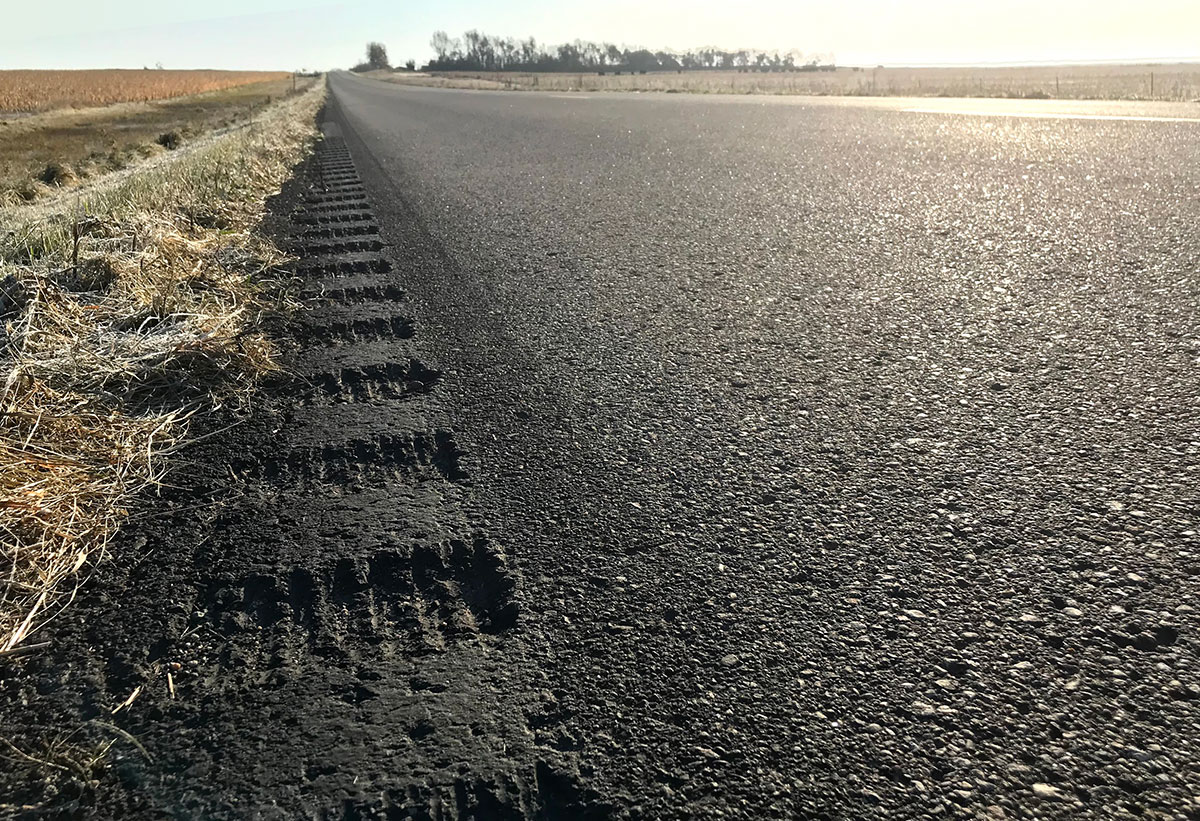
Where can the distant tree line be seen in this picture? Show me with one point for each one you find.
(475, 51)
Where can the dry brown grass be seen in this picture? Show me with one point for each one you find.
(28, 90)
(124, 316)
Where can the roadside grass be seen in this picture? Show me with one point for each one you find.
(1176, 82)
(128, 308)
(43, 153)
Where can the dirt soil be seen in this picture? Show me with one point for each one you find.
(309, 622)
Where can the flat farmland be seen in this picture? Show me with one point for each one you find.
(31, 91)
(1175, 82)
(42, 152)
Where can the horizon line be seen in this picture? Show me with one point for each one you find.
(870, 65)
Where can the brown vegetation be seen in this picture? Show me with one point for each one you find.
(27, 91)
(123, 316)
(95, 141)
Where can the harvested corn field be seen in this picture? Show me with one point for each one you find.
(42, 153)
(32, 91)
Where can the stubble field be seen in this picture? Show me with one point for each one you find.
(33, 91)
(41, 153)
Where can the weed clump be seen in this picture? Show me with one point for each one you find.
(97, 274)
(117, 160)
(60, 174)
(147, 150)
(28, 191)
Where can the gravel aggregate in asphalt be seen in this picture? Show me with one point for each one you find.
(849, 454)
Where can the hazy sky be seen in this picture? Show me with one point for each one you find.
(286, 34)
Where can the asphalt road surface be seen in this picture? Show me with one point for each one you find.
(849, 455)
(819, 460)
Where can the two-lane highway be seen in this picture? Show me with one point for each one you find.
(848, 453)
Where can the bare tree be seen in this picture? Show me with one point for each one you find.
(529, 51)
(377, 56)
(440, 43)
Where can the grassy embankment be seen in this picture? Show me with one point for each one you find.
(1178, 82)
(143, 114)
(127, 308)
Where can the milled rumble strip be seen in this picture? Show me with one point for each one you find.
(1048, 115)
(361, 229)
(332, 266)
(308, 218)
(414, 598)
(375, 382)
(349, 246)
(330, 192)
(319, 208)
(325, 199)
(347, 592)
(349, 331)
(369, 462)
(356, 293)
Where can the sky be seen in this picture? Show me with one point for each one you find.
(292, 34)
